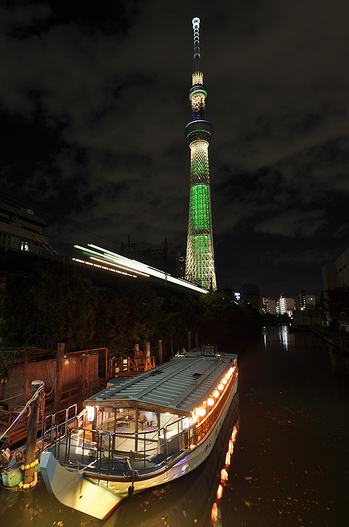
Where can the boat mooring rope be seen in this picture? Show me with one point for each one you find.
(33, 397)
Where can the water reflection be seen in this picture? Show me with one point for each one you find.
(284, 336)
(279, 335)
(265, 333)
(291, 457)
(224, 475)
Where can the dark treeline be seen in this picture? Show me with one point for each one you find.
(59, 303)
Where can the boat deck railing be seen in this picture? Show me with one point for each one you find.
(115, 453)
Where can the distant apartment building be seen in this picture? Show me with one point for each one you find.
(303, 300)
(269, 305)
(21, 230)
(285, 305)
(310, 300)
(336, 274)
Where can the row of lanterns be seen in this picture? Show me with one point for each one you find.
(201, 411)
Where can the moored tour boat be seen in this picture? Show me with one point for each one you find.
(140, 433)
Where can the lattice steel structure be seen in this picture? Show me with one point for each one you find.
(200, 267)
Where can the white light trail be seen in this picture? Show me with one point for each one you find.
(122, 262)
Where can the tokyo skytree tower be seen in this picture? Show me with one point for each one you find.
(200, 267)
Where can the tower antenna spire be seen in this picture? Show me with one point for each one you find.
(196, 30)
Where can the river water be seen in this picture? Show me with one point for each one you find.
(289, 467)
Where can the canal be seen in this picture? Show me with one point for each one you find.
(289, 467)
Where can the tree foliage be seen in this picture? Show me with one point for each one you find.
(45, 307)
(337, 302)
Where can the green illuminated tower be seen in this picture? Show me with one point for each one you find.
(200, 267)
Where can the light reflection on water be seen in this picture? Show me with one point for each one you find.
(284, 336)
(293, 436)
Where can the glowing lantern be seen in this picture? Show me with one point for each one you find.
(224, 475)
(202, 412)
(224, 380)
(220, 387)
(216, 393)
(219, 492)
(214, 512)
(231, 447)
(227, 459)
(210, 401)
(234, 434)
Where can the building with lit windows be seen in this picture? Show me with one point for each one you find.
(304, 300)
(285, 305)
(200, 267)
(310, 300)
(21, 230)
(269, 305)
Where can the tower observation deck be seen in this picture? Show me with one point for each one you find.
(200, 268)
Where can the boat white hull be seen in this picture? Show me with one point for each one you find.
(99, 497)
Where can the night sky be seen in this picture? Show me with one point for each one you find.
(93, 104)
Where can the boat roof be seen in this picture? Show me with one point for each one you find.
(177, 386)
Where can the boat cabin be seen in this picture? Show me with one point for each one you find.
(154, 413)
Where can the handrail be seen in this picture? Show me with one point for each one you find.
(103, 444)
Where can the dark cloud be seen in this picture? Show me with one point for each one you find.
(93, 103)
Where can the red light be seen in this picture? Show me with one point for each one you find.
(214, 512)
(219, 492)
(224, 475)
(227, 459)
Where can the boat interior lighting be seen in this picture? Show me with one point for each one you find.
(90, 413)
